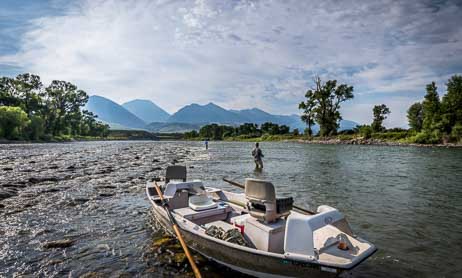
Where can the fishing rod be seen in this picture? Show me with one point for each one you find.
(194, 267)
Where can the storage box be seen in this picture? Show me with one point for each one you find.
(240, 219)
(239, 222)
(267, 237)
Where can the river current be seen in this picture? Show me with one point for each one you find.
(406, 200)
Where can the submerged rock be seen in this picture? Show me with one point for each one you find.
(35, 180)
(4, 194)
(63, 243)
(54, 262)
(106, 194)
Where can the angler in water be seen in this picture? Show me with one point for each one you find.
(257, 156)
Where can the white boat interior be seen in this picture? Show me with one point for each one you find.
(266, 223)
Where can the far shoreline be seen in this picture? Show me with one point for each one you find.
(354, 141)
(375, 142)
(314, 141)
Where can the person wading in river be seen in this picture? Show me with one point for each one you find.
(257, 156)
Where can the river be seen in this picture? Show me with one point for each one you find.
(406, 200)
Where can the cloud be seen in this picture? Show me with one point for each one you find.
(242, 54)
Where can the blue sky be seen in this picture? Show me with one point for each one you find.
(238, 54)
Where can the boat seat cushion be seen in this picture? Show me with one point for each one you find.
(259, 190)
(175, 172)
(262, 202)
(201, 202)
(204, 216)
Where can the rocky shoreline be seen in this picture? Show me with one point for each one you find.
(376, 142)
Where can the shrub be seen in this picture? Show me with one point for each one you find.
(13, 120)
(365, 131)
(456, 133)
(345, 137)
(390, 135)
(428, 138)
(347, 131)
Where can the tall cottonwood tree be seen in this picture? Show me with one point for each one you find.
(323, 105)
(308, 111)
(380, 113)
(452, 104)
(431, 108)
(415, 116)
(64, 101)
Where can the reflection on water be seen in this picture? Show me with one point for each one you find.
(406, 200)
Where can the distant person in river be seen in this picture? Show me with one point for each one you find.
(257, 156)
(206, 144)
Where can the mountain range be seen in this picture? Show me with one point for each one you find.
(144, 114)
(146, 110)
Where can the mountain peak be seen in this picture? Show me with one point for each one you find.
(111, 112)
(139, 101)
(208, 113)
(146, 110)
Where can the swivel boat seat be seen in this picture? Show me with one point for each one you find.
(175, 172)
(262, 202)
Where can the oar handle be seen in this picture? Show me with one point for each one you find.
(194, 267)
(243, 187)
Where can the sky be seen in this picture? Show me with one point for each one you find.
(237, 54)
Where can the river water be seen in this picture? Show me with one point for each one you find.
(406, 200)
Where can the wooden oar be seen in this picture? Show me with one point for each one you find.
(243, 187)
(196, 271)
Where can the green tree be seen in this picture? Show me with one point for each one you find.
(270, 128)
(283, 129)
(191, 134)
(415, 116)
(36, 128)
(13, 120)
(452, 103)
(456, 132)
(23, 91)
(29, 88)
(228, 131)
(212, 131)
(8, 92)
(308, 113)
(431, 108)
(249, 129)
(54, 110)
(380, 113)
(63, 102)
(324, 103)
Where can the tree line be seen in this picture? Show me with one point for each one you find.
(436, 119)
(246, 130)
(433, 120)
(31, 111)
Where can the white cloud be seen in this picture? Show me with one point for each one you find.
(242, 54)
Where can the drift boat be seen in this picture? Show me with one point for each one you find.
(267, 236)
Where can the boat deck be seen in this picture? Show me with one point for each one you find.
(230, 205)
